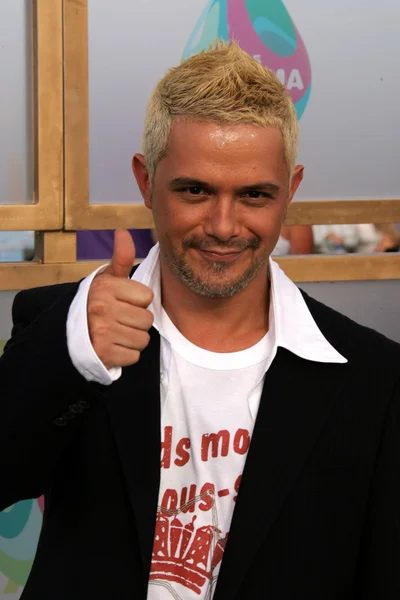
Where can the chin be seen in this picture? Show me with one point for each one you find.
(218, 285)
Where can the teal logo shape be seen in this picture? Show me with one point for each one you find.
(265, 30)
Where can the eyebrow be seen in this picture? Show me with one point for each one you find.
(260, 185)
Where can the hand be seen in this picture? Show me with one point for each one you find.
(118, 318)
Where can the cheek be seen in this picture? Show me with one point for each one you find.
(172, 227)
(181, 221)
(265, 225)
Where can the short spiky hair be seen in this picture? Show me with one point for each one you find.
(223, 85)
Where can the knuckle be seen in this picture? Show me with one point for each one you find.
(98, 333)
(140, 340)
(149, 319)
(149, 296)
(135, 354)
(144, 293)
(145, 339)
(96, 308)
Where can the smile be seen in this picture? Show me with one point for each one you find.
(218, 256)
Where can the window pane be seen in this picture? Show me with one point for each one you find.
(130, 49)
(16, 246)
(349, 118)
(16, 122)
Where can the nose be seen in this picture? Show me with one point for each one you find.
(222, 221)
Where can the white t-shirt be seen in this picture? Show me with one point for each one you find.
(209, 405)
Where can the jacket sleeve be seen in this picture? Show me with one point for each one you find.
(380, 551)
(43, 398)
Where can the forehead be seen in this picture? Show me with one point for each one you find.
(234, 151)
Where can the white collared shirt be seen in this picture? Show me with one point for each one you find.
(291, 323)
(209, 404)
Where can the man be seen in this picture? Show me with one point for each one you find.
(199, 427)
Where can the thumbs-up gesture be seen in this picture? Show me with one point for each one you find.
(118, 318)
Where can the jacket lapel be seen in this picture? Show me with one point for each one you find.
(297, 399)
(134, 410)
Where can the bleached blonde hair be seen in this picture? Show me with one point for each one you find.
(224, 85)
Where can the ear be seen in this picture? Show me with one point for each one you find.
(297, 178)
(142, 177)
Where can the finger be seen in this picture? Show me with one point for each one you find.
(129, 338)
(133, 293)
(123, 255)
(122, 357)
(134, 317)
(120, 336)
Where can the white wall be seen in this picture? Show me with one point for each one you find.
(16, 110)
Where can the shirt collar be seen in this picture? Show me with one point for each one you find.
(292, 325)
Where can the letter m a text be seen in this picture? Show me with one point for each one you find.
(219, 443)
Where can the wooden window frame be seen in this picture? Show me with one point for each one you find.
(62, 77)
(80, 214)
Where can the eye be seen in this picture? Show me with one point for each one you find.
(193, 193)
(194, 190)
(256, 195)
(256, 198)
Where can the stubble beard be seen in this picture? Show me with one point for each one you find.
(209, 288)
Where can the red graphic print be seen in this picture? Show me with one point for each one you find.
(188, 542)
(183, 553)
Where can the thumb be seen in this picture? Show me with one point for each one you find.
(123, 255)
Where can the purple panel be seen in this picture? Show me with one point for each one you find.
(98, 245)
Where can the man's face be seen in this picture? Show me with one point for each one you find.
(219, 199)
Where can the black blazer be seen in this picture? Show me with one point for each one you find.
(318, 512)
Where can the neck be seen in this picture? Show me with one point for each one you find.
(217, 325)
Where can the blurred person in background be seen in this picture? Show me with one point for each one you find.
(294, 239)
(389, 237)
(362, 238)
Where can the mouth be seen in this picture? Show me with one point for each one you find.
(221, 256)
